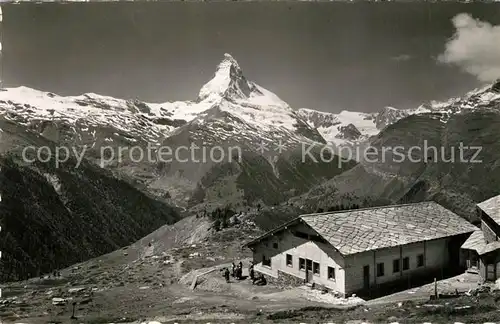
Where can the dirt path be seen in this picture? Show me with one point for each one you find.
(148, 252)
(460, 283)
(178, 268)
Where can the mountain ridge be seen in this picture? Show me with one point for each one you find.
(53, 216)
(229, 109)
(153, 122)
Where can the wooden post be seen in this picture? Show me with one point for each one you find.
(374, 269)
(425, 256)
(401, 261)
(435, 288)
(73, 315)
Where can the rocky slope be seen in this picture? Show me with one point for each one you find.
(418, 158)
(333, 126)
(262, 139)
(52, 217)
(230, 115)
(152, 281)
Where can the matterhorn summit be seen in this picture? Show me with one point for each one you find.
(228, 82)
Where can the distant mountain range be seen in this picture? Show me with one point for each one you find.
(229, 111)
(351, 127)
(440, 174)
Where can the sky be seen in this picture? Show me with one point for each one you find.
(324, 56)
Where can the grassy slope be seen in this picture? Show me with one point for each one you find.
(461, 184)
(458, 185)
(53, 217)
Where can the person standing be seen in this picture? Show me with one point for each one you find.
(240, 266)
(226, 274)
(237, 272)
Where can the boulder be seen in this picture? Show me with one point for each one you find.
(59, 301)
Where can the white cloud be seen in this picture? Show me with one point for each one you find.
(475, 47)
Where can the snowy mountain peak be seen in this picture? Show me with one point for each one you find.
(496, 86)
(228, 82)
(389, 115)
(229, 60)
(229, 68)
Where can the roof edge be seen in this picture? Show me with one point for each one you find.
(426, 240)
(484, 201)
(279, 228)
(266, 234)
(300, 217)
(370, 208)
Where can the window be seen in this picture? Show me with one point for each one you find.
(316, 268)
(331, 273)
(406, 263)
(302, 264)
(266, 261)
(289, 260)
(420, 260)
(380, 269)
(275, 245)
(396, 265)
(309, 265)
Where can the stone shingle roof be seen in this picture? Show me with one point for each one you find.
(490, 247)
(475, 242)
(361, 230)
(492, 208)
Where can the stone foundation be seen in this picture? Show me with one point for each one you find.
(284, 280)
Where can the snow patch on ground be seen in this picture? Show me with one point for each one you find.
(318, 296)
(54, 181)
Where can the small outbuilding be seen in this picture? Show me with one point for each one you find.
(481, 251)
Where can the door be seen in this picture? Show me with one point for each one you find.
(366, 277)
(309, 272)
(472, 262)
(454, 253)
(490, 272)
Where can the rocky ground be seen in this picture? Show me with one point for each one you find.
(152, 280)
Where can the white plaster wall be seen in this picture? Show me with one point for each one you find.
(324, 254)
(435, 257)
(349, 269)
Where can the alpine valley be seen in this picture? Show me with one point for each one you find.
(130, 197)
